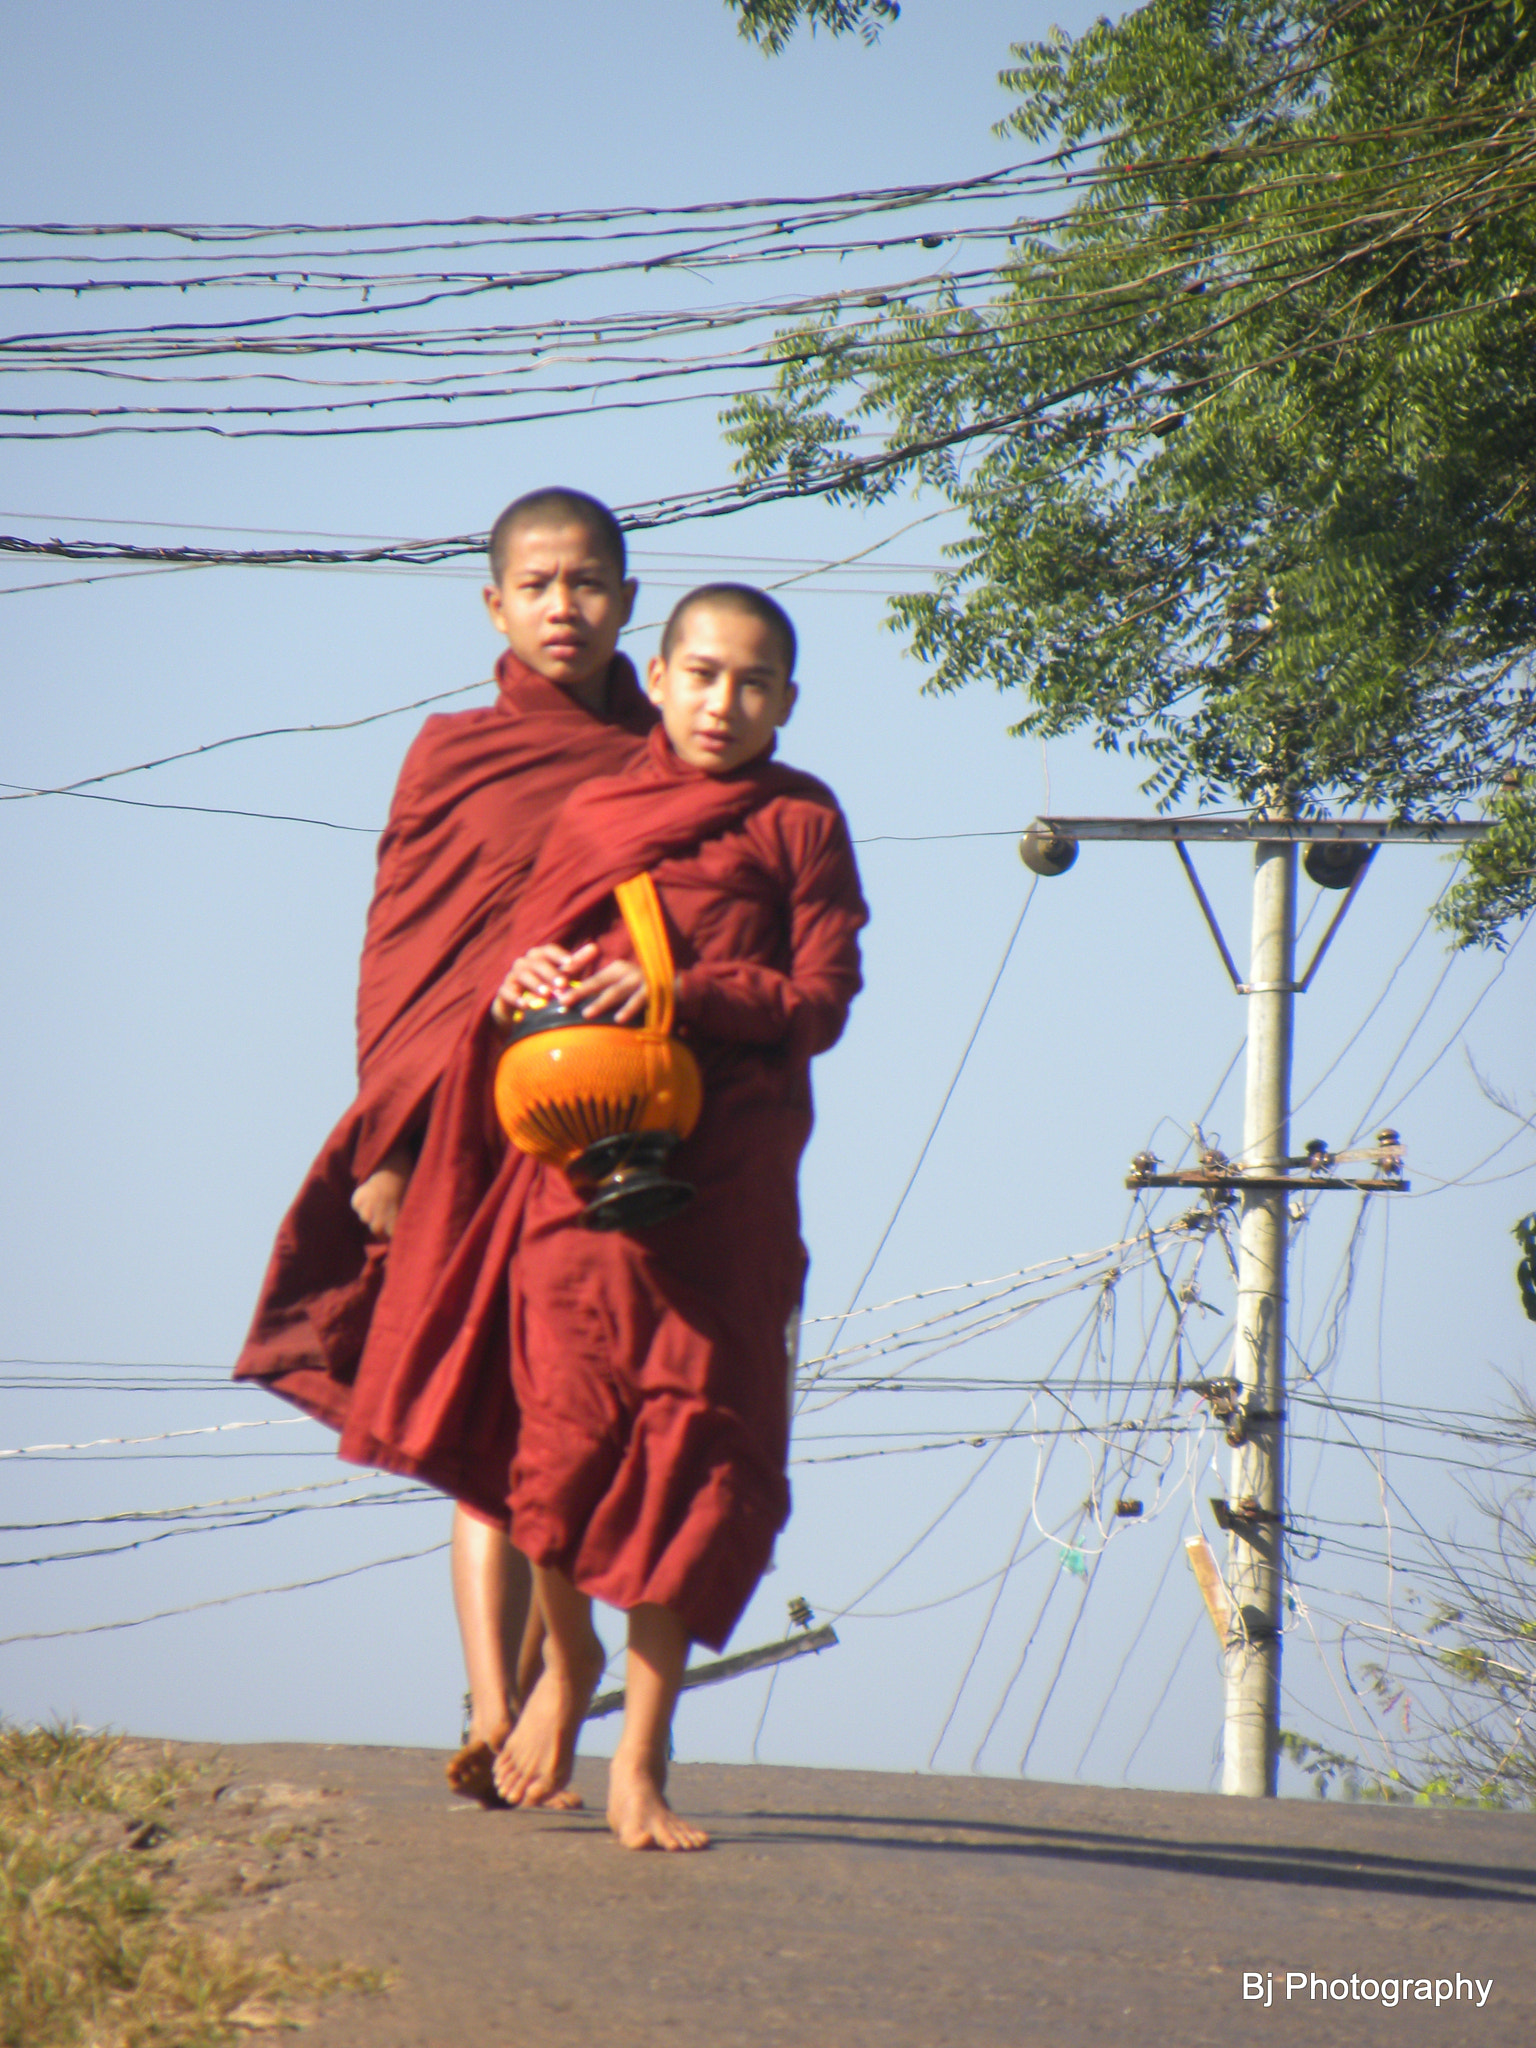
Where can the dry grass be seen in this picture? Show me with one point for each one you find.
(102, 1943)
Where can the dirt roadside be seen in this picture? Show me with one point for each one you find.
(852, 1908)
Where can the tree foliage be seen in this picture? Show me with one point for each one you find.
(1470, 1674)
(1525, 1272)
(1455, 1695)
(771, 23)
(1245, 431)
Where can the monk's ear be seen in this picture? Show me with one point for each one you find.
(631, 590)
(791, 695)
(655, 670)
(492, 596)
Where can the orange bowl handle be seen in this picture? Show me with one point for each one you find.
(641, 909)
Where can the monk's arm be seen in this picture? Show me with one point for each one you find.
(747, 1003)
(401, 865)
(384, 993)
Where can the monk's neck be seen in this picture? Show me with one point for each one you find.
(591, 693)
(594, 694)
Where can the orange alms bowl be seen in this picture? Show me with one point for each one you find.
(607, 1102)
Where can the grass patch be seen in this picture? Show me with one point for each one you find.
(102, 1944)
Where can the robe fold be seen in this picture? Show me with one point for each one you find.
(621, 1402)
(475, 797)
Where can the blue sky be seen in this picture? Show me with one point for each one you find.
(177, 1024)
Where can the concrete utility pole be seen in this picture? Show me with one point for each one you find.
(1250, 1753)
(1252, 1401)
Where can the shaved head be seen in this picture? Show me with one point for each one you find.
(733, 597)
(556, 507)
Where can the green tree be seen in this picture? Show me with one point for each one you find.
(1469, 1673)
(772, 22)
(1524, 1233)
(1244, 430)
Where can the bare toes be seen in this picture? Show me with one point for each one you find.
(471, 1774)
(639, 1815)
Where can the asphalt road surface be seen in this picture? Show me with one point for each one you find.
(850, 1908)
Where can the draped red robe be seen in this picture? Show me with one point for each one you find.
(476, 796)
(627, 1396)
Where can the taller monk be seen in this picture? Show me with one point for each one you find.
(621, 1396)
(475, 798)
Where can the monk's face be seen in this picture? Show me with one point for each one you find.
(724, 690)
(562, 604)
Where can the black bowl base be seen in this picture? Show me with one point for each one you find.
(634, 1201)
(625, 1184)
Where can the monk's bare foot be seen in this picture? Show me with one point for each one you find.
(638, 1811)
(470, 1774)
(535, 1763)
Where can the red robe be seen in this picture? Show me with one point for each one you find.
(627, 1395)
(475, 798)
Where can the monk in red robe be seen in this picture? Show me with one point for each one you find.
(475, 798)
(626, 1396)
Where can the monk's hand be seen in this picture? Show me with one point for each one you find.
(548, 972)
(616, 992)
(376, 1201)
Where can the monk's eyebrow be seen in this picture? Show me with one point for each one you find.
(714, 663)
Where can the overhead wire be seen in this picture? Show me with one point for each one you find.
(948, 1097)
(141, 803)
(1129, 1760)
(1487, 989)
(100, 1628)
(1157, 1705)
(1131, 1648)
(251, 1518)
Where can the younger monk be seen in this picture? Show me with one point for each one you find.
(475, 797)
(650, 1439)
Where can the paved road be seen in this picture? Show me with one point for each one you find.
(844, 1909)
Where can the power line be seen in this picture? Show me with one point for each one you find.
(164, 1436)
(192, 1509)
(881, 196)
(100, 1628)
(270, 732)
(933, 1129)
(139, 803)
(251, 1518)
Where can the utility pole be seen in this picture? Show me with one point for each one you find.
(1251, 1402)
(1250, 1750)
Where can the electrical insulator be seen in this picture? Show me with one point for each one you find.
(1045, 852)
(1334, 863)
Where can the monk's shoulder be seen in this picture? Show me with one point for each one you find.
(444, 731)
(804, 804)
(442, 737)
(788, 784)
(802, 822)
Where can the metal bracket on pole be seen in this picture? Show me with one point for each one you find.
(1243, 1517)
(1296, 831)
(1219, 1177)
(1262, 988)
(1335, 921)
(1272, 1183)
(1210, 916)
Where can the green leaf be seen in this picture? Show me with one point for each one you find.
(1243, 425)
(771, 23)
